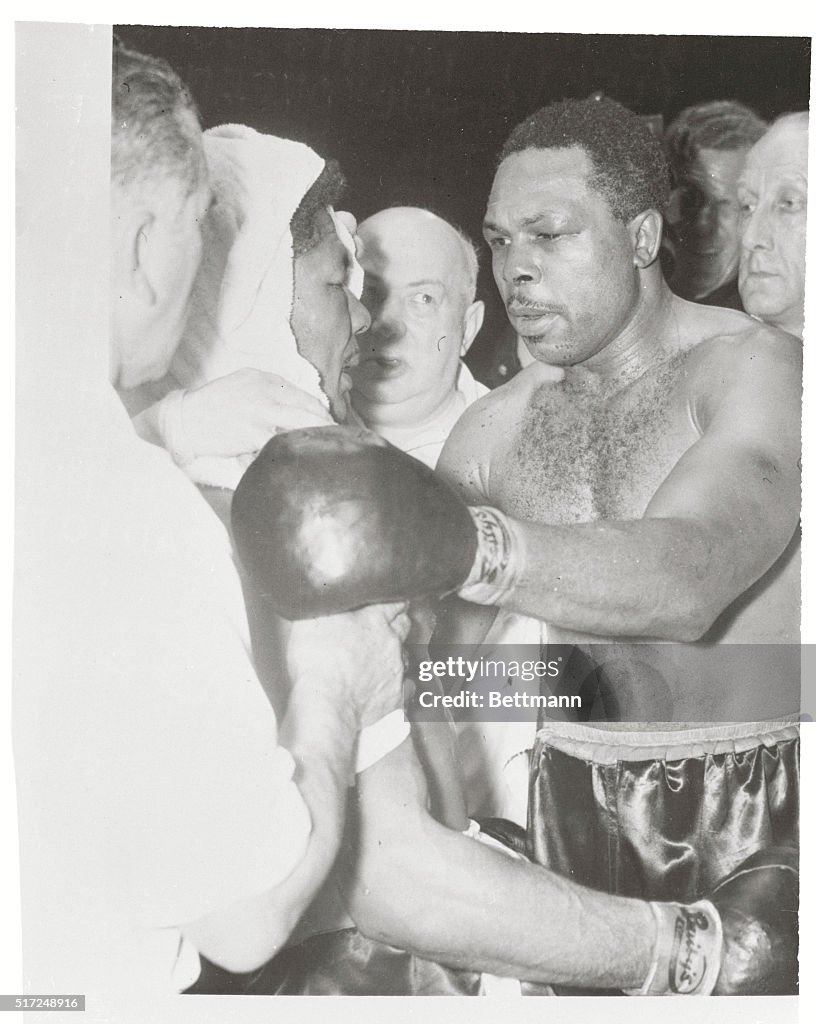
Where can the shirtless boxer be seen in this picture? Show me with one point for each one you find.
(654, 492)
(667, 567)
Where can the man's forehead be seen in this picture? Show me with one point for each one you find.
(540, 173)
(328, 241)
(784, 148)
(423, 252)
(717, 165)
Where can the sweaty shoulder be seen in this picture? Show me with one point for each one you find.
(747, 360)
(469, 451)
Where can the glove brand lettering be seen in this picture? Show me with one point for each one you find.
(687, 966)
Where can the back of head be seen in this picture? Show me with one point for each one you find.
(155, 130)
(630, 170)
(718, 125)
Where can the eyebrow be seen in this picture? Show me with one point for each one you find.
(527, 222)
(425, 280)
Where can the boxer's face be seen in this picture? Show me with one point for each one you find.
(326, 317)
(773, 207)
(704, 218)
(416, 281)
(563, 263)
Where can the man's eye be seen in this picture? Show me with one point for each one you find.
(547, 236)
(499, 242)
(423, 299)
(791, 203)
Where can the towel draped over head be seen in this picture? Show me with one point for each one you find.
(242, 296)
(241, 302)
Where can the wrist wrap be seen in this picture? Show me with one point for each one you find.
(687, 952)
(499, 558)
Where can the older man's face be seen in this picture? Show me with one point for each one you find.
(773, 207)
(417, 284)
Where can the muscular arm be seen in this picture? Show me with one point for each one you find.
(718, 522)
(443, 896)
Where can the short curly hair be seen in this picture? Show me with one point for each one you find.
(720, 124)
(326, 190)
(155, 127)
(629, 167)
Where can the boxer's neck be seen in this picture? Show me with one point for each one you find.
(643, 343)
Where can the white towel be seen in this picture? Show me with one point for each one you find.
(242, 296)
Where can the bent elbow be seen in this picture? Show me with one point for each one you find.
(689, 617)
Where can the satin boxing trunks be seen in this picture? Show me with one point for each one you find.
(661, 815)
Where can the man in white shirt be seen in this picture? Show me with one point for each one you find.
(160, 819)
(411, 385)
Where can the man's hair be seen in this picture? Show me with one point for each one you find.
(326, 190)
(629, 168)
(720, 124)
(155, 128)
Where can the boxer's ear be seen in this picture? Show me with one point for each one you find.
(646, 230)
(132, 227)
(473, 320)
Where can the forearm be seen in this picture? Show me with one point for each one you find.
(665, 578)
(448, 898)
(320, 733)
(415, 884)
(244, 936)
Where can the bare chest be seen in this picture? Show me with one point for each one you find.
(578, 455)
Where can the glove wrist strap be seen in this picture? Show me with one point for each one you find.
(687, 952)
(499, 558)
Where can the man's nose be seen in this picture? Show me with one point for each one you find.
(386, 325)
(520, 266)
(360, 317)
(756, 230)
(706, 222)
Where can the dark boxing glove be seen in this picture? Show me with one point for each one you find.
(743, 940)
(328, 519)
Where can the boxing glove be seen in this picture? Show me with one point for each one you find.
(328, 519)
(742, 940)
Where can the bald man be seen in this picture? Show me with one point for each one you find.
(411, 385)
(772, 193)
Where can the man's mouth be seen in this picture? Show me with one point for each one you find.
(381, 367)
(758, 271)
(531, 319)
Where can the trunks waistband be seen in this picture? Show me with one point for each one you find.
(608, 747)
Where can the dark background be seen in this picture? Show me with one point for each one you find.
(417, 118)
